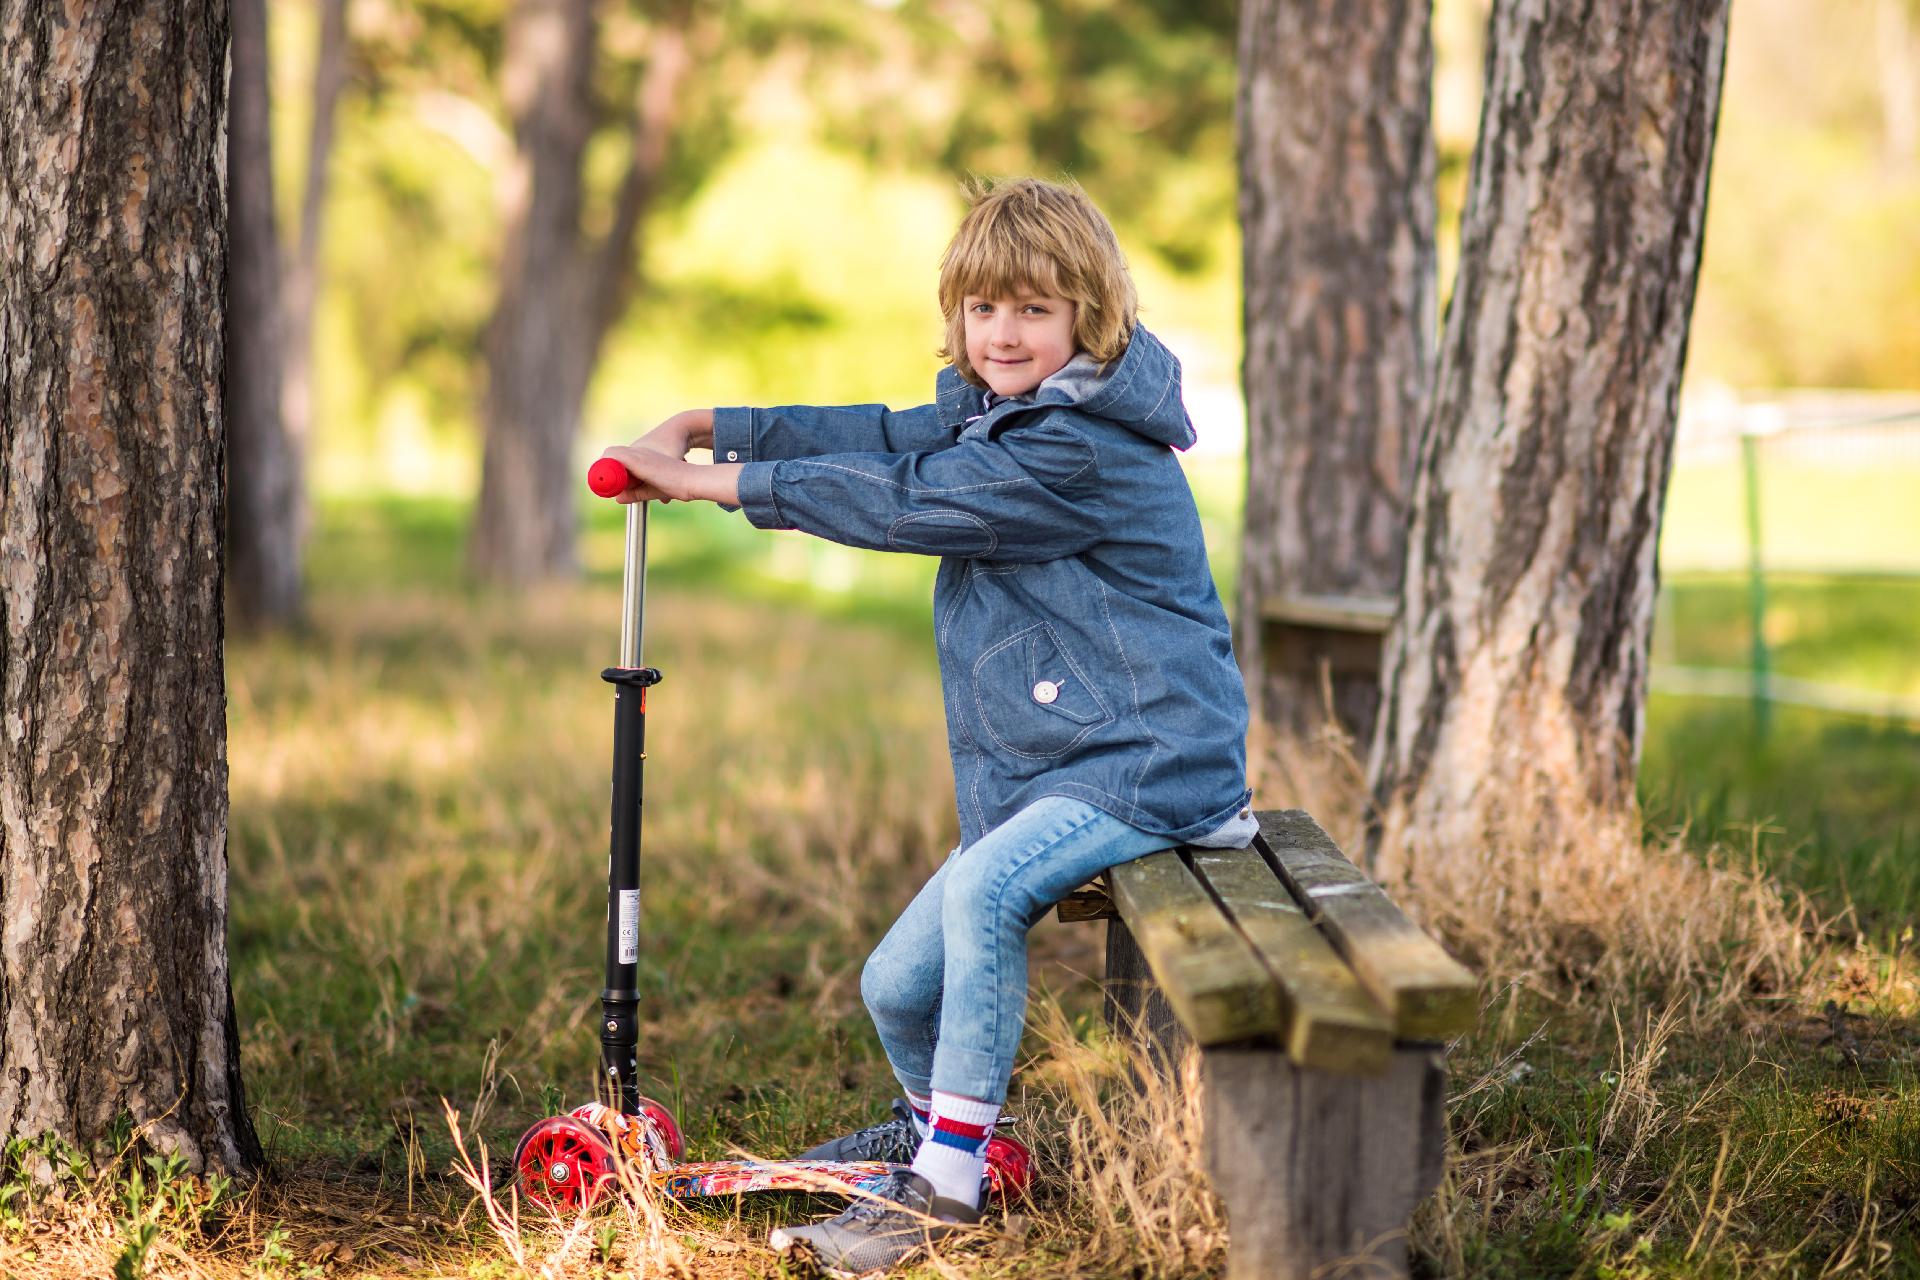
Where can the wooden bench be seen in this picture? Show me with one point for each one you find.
(1333, 642)
(1321, 1014)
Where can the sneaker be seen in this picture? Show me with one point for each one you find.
(893, 1141)
(898, 1220)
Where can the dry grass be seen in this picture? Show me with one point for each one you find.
(1605, 918)
(419, 790)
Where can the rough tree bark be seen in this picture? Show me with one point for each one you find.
(114, 995)
(1337, 213)
(559, 293)
(1516, 676)
(263, 462)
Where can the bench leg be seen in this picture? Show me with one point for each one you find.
(1320, 1173)
(1135, 1005)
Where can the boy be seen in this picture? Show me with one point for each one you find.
(1094, 710)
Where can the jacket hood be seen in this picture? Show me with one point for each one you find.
(1139, 391)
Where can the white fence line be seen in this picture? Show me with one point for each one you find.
(1724, 682)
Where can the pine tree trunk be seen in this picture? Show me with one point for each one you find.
(114, 994)
(1516, 678)
(263, 463)
(537, 365)
(1337, 213)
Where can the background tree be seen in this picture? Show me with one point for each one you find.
(301, 267)
(1336, 164)
(271, 290)
(113, 804)
(1516, 674)
(561, 288)
(263, 463)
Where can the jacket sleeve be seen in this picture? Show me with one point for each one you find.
(807, 431)
(1032, 493)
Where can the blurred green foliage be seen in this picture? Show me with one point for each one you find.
(1811, 273)
(793, 254)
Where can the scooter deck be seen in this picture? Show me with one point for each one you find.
(697, 1179)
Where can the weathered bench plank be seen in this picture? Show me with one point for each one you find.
(1327, 1020)
(1428, 994)
(1211, 976)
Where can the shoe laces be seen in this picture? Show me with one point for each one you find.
(890, 1197)
(871, 1142)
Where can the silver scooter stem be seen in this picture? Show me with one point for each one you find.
(633, 592)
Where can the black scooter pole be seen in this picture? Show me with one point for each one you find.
(620, 1000)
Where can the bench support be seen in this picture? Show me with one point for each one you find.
(1320, 1172)
(1135, 1006)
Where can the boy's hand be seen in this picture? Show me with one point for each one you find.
(690, 429)
(659, 477)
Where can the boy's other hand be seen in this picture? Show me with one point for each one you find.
(690, 429)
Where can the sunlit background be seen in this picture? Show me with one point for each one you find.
(792, 257)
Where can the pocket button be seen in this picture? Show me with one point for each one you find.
(1046, 691)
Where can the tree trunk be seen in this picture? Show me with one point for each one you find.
(1337, 214)
(1898, 57)
(114, 992)
(263, 464)
(523, 529)
(302, 267)
(1516, 677)
(559, 294)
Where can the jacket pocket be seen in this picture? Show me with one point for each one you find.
(1033, 698)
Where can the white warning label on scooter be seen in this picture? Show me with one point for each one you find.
(629, 926)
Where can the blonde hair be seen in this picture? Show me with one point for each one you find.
(1048, 237)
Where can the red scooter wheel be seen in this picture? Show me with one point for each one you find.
(1009, 1168)
(563, 1163)
(669, 1129)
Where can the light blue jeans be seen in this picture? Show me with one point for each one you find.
(947, 986)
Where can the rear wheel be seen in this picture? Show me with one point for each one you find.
(652, 1136)
(563, 1164)
(1009, 1168)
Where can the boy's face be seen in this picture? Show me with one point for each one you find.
(1016, 343)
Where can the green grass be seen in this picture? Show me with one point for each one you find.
(1843, 630)
(1833, 515)
(1827, 802)
(418, 862)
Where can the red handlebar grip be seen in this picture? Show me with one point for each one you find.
(607, 478)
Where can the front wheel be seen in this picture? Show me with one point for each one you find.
(564, 1164)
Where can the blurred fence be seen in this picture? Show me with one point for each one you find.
(1822, 484)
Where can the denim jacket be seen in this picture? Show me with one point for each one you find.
(1083, 650)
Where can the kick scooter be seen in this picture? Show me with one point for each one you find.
(568, 1162)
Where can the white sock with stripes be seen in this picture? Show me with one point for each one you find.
(922, 1105)
(954, 1155)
